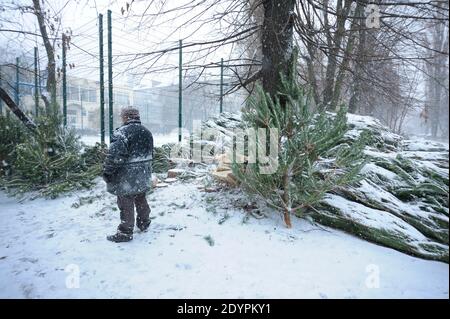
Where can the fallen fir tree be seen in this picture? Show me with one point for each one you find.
(400, 199)
(46, 158)
(51, 161)
(292, 180)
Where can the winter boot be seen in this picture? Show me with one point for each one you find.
(120, 237)
(143, 226)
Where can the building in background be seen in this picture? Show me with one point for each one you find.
(158, 104)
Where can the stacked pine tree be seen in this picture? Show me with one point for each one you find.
(49, 160)
(399, 198)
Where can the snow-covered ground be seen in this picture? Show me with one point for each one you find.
(200, 245)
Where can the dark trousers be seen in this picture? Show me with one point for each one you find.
(126, 206)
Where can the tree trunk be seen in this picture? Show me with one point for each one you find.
(287, 197)
(310, 58)
(334, 45)
(278, 53)
(51, 68)
(277, 42)
(355, 98)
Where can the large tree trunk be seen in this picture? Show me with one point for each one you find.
(334, 45)
(51, 68)
(438, 79)
(357, 88)
(278, 54)
(277, 42)
(312, 80)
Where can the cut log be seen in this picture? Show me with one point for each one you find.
(226, 177)
(175, 172)
(155, 181)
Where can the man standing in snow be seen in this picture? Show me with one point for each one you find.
(127, 172)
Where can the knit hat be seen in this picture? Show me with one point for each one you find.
(130, 113)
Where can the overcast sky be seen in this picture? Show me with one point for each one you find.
(135, 31)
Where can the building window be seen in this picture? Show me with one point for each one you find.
(72, 118)
(92, 95)
(73, 93)
(122, 99)
(84, 95)
(89, 95)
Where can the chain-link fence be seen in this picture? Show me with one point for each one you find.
(155, 93)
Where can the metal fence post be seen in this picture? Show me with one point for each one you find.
(17, 99)
(1, 101)
(180, 91)
(102, 80)
(110, 75)
(221, 85)
(36, 83)
(64, 79)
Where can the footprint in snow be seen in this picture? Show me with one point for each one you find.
(30, 260)
(27, 290)
(183, 266)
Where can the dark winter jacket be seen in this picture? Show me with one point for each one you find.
(128, 165)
